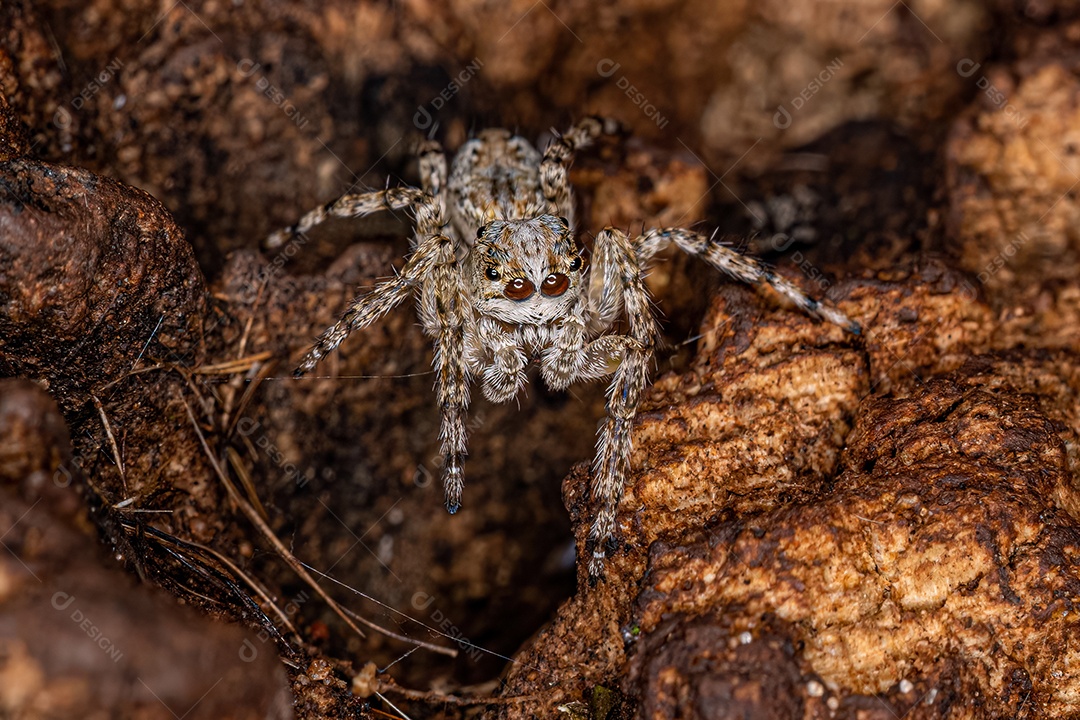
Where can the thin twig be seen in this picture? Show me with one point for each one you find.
(404, 638)
(251, 318)
(230, 367)
(290, 559)
(112, 441)
(388, 685)
(394, 707)
(459, 640)
(241, 470)
(140, 371)
(251, 582)
(249, 394)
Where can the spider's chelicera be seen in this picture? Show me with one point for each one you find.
(500, 283)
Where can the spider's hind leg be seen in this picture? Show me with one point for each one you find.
(743, 268)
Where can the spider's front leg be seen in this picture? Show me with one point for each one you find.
(366, 309)
(350, 206)
(621, 275)
(743, 268)
(445, 311)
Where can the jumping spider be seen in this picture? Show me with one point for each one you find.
(501, 283)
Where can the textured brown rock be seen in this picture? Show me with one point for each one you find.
(707, 666)
(96, 279)
(81, 640)
(36, 454)
(91, 272)
(31, 78)
(936, 542)
(1011, 178)
(914, 569)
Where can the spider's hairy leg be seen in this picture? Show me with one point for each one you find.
(619, 265)
(741, 267)
(446, 310)
(433, 171)
(559, 155)
(348, 206)
(387, 295)
(366, 309)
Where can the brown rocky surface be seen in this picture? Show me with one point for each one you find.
(1012, 181)
(78, 639)
(817, 525)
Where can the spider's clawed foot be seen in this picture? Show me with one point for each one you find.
(453, 482)
(597, 553)
(306, 365)
(596, 568)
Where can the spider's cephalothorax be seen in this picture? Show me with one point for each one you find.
(500, 282)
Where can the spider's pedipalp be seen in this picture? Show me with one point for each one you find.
(504, 375)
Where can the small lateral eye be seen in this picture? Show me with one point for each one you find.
(565, 222)
(491, 273)
(575, 264)
(480, 231)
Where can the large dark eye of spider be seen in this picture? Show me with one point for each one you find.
(519, 289)
(575, 264)
(555, 285)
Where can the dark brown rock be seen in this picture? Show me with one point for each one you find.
(706, 667)
(1011, 174)
(936, 542)
(92, 274)
(81, 640)
(35, 457)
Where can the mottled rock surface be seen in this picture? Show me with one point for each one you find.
(78, 639)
